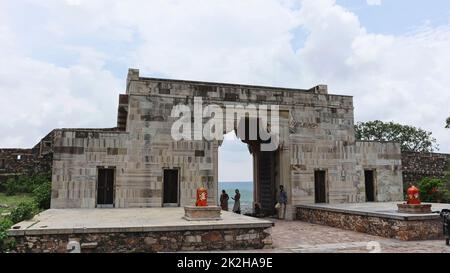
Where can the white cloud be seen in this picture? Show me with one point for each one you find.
(234, 155)
(73, 2)
(38, 96)
(400, 78)
(373, 2)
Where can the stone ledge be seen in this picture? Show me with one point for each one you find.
(161, 228)
(82, 221)
(129, 230)
(381, 214)
(407, 230)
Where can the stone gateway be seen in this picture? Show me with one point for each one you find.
(139, 164)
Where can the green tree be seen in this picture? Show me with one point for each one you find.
(412, 139)
(448, 123)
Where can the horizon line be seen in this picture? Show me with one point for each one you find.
(240, 181)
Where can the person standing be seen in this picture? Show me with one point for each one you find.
(282, 200)
(224, 200)
(237, 202)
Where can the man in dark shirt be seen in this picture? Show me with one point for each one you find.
(282, 200)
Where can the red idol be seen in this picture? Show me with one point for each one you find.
(413, 195)
(202, 197)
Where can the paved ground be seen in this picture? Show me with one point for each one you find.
(296, 236)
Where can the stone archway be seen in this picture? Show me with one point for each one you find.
(267, 170)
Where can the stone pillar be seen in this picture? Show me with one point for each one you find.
(215, 160)
(285, 163)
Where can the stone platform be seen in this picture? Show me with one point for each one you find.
(414, 208)
(207, 213)
(376, 218)
(137, 230)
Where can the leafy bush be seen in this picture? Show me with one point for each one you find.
(40, 186)
(25, 184)
(24, 211)
(40, 179)
(446, 180)
(42, 195)
(21, 184)
(11, 186)
(433, 190)
(5, 224)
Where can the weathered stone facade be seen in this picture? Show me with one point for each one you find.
(126, 242)
(75, 166)
(419, 165)
(397, 228)
(316, 133)
(385, 159)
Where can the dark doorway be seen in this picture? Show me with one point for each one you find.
(266, 185)
(320, 187)
(105, 187)
(370, 185)
(170, 188)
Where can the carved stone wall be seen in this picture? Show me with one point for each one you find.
(316, 133)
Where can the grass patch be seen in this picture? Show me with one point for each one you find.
(12, 201)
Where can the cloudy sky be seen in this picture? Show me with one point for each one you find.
(63, 63)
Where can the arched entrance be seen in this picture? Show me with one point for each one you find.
(235, 165)
(266, 171)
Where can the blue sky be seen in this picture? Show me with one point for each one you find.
(64, 62)
(397, 17)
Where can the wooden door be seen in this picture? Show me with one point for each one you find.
(370, 186)
(105, 186)
(266, 184)
(320, 187)
(170, 190)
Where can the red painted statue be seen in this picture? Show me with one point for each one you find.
(413, 195)
(202, 197)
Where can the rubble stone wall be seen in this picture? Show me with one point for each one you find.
(407, 230)
(227, 239)
(36, 160)
(419, 165)
(15, 162)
